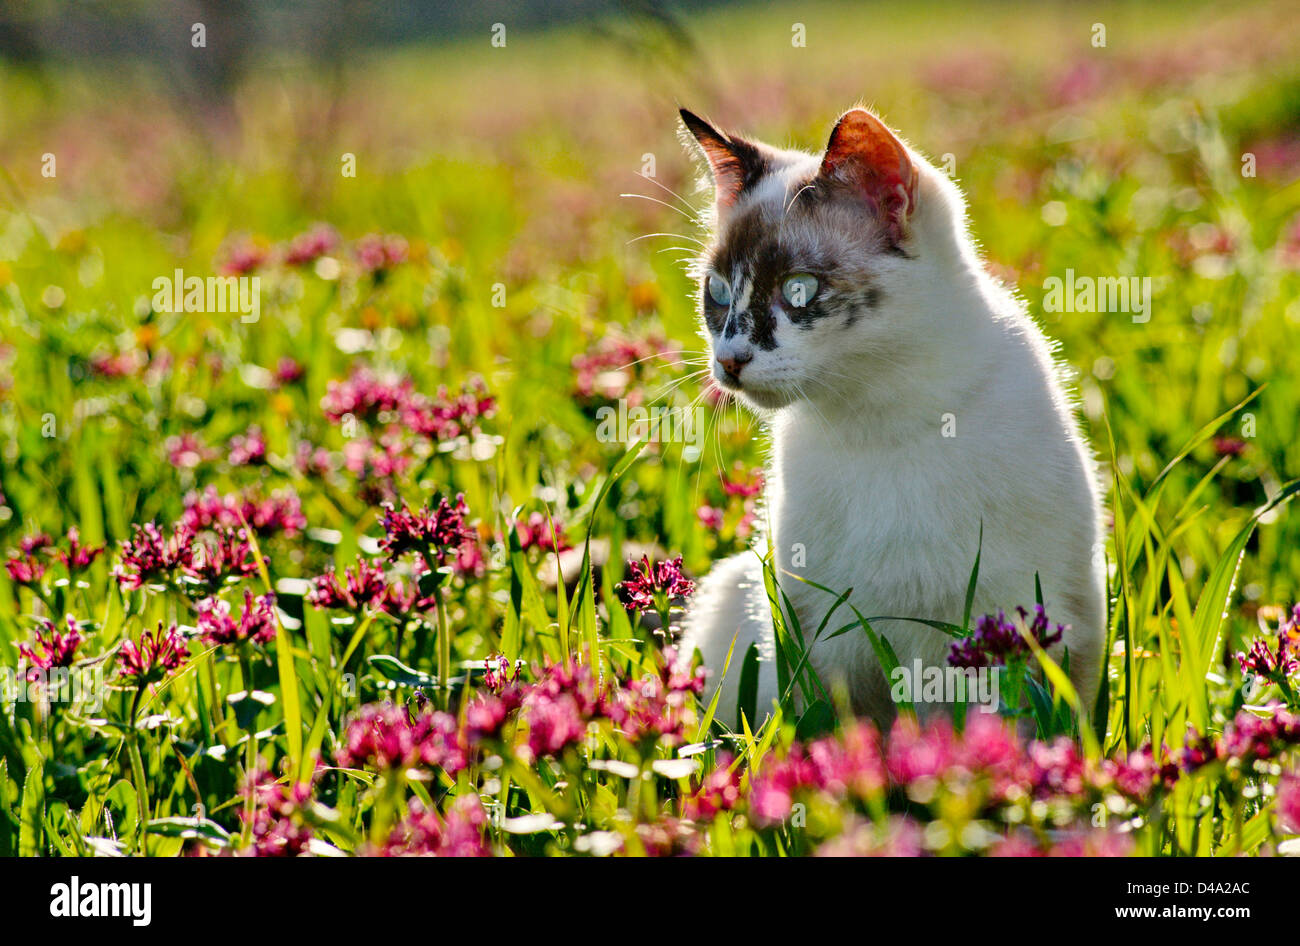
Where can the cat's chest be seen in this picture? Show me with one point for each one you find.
(886, 526)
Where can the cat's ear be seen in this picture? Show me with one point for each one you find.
(865, 154)
(736, 163)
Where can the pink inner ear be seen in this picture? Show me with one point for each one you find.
(864, 153)
(728, 172)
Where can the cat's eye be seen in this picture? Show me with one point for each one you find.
(799, 289)
(719, 291)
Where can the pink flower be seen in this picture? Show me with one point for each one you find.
(433, 534)
(648, 586)
(710, 517)
(310, 246)
(186, 451)
(256, 621)
(423, 834)
(385, 736)
(247, 449)
(157, 654)
(538, 531)
(52, 648)
(363, 586)
(25, 570)
(1288, 803)
(77, 557)
(376, 252)
(149, 557)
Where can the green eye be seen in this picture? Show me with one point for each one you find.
(719, 291)
(799, 289)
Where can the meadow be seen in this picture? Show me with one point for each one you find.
(359, 573)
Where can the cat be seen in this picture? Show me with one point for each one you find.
(916, 414)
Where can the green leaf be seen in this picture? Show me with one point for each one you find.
(31, 826)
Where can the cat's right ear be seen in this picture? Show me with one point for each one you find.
(735, 163)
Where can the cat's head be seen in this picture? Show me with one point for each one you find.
(821, 269)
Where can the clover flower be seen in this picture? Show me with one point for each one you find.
(25, 569)
(149, 556)
(997, 639)
(422, 833)
(433, 534)
(652, 587)
(1278, 662)
(386, 737)
(158, 653)
(77, 557)
(52, 647)
(256, 620)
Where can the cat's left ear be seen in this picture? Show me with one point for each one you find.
(736, 163)
(865, 154)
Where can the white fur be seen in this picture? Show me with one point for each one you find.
(861, 478)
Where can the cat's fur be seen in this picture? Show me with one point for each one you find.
(907, 333)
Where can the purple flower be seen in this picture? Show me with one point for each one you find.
(157, 654)
(433, 534)
(77, 557)
(256, 621)
(997, 639)
(1288, 803)
(149, 556)
(385, 736)
(52, 648)
(247, 449)
(423, 834)
(649, 586)
(25, 570)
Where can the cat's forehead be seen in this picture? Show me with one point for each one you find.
(793, 218)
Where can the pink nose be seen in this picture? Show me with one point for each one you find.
(735, 363)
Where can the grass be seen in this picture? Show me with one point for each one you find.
(501, 170)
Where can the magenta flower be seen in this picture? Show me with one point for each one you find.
(157, 654)
(377, 252)
(423, 834)
(711, 517)
(654, 586)
(243, 257)
(52, 648)
(186, 451)
(362, 587)
(539, 531)
(366, 397)
(1288, 803)
(256, 620)
(31, 544)
(247, 449)
(752, 485)
(277, 827)
(433, 534)
(1277, 663)
(281, 513)
(386, 737)
(149, 556)
(718, 791)
(997, 639)
(77, 557)
(310, 246)
(226, 556)
(289, 371)
(25, 570)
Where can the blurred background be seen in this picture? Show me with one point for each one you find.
(496, 139)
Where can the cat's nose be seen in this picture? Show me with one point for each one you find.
(734, 363)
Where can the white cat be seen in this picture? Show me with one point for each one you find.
(910, 399)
